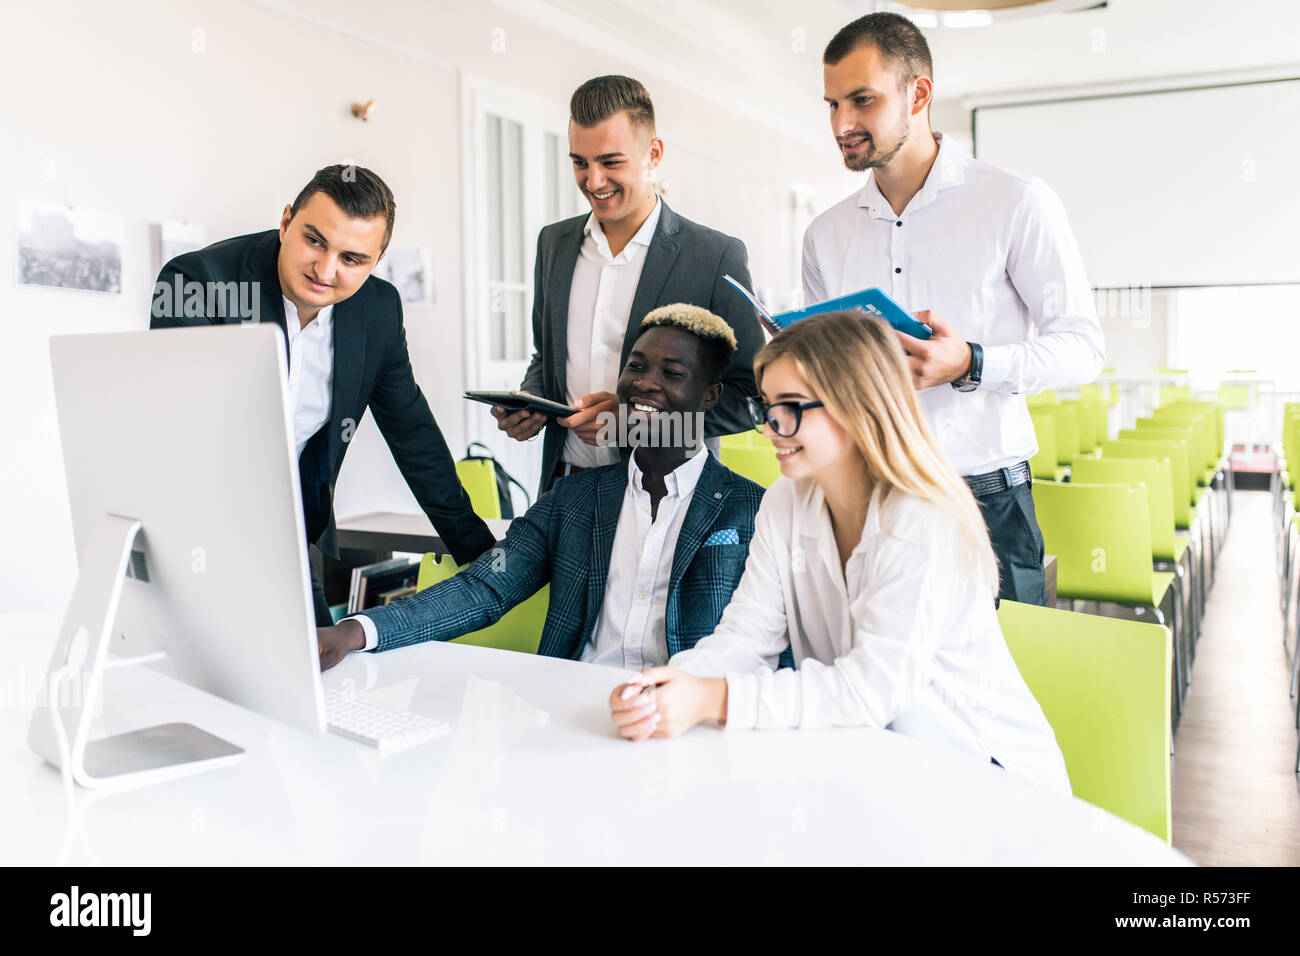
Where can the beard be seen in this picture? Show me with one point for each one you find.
(874, 158)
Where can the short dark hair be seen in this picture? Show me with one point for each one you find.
(601, 97)
(895, 36)
(357, 191)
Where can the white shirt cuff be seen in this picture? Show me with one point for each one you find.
(742, 702)
(997, 366)
(367, 625)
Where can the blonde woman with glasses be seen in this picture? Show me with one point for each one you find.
(870, 560)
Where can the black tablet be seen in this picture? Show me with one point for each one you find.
(518, 401)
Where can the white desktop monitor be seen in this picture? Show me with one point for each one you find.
(188, 432)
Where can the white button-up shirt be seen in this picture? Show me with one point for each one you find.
(990, 252)
(631, 629)
(600, 306)
(311, 371)
(904, 637)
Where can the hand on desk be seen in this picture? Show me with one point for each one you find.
(521, 425)
(587, 423)
(665, 702)
(337, 642)
(942, 358)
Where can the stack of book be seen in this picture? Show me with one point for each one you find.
(374, 585)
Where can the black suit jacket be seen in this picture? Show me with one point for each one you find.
(371, 369)
(685, 262)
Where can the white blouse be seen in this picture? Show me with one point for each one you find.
(905, 638)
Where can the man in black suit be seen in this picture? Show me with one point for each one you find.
(597, 276)
(345, 342)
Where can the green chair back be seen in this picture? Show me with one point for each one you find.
(1172, 431)
(1085, 419)
(519, 629)
(1043, 466)
(1101, 536)
(1204, 419)
(1104, 686)
(1234, 396)
(1097, 392)
(1173, 449)
(480, 482)
(1067, 432)
(1168, 394)
(1215, 413)
(747, 457)
(1155, 475)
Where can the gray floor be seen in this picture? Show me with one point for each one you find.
(1236, 800)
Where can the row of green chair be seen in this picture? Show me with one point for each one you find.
(1176, 457)
(1101, 537)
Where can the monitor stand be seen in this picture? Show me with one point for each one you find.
(60, 730)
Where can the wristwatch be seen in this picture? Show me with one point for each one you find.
(971, 380)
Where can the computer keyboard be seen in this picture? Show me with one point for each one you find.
(385, 728)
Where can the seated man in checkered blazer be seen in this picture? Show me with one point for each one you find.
(642, 556)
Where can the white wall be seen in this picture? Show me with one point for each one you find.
(217, 112)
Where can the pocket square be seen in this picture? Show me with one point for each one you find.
(725, 536)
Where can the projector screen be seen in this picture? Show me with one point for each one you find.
(1190, 187)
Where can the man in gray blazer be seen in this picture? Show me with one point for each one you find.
(597, 276)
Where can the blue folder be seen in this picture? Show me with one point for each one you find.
(872, 301)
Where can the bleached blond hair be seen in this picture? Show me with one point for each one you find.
(691, 318)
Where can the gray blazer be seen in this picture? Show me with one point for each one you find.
(685, 262)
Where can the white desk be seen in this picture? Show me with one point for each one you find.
(533, 773)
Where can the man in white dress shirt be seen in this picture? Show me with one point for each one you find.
(983, 256)
(597, 276)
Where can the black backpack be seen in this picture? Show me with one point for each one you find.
(503, 477)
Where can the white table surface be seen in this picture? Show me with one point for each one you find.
(533, 773)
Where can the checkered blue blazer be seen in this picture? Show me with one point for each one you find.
(566, 539)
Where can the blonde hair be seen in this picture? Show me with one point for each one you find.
(690, 318)
(853, 364)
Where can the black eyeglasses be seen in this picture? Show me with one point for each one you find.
(784, 417)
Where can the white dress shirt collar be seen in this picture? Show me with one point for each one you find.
(679, 482)
(944, 172)
(642, 237)
(293, 323)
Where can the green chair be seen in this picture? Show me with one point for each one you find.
(1101, 536)
(519, 629)
(1218, 454)
(752, 455)
(1200, 479)
(1037, 399)
(480, 482)
(1092, 428)
(1104, 687)
(1167, 394)
(1096, 392)
(1187, 518)
(1218, 462)
(1043, 466)
(1067, 432)
(1167, 549)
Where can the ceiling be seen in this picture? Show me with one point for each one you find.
(767, 53)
